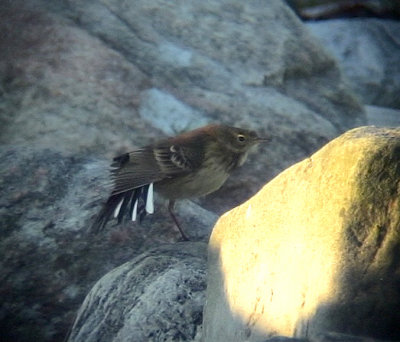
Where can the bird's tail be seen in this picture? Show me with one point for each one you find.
(133, 203)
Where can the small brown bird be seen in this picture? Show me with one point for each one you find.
(189, 165)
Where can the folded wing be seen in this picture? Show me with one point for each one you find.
(134, 174)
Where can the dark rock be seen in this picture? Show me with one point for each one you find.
(317, 10)
(337, 337)
(157, 296)
(48, 261)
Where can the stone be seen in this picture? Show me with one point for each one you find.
(168, 114)
(158, 296)
(380, 116)
(317, 249)
(49, 262)
(368, 56)
(107, 77)
(63, 87)
(84, 81)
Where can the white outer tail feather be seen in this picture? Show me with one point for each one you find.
(149, 204)
(150, 200)
(118, 208)
(134, 211)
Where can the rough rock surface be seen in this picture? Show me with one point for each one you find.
(369, 56)
(104, 77)
(382, 117)
(157, 296)
(317, 249)
(48, 262)
(110, 76)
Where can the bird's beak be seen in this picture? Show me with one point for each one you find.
(260, 140)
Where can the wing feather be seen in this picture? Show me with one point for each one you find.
(134, 173)
(152, 164)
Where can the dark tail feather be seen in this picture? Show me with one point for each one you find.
(141, 210)
(123, 200)
(106, 212)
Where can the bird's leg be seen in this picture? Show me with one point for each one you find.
(171, 205)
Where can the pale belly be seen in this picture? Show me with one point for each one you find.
(200, 184)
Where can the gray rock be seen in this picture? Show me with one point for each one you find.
(62, 87)
(110, 76)
(104, 77)
(169, 115)
(380, 116)
(157, 296)
(198, 222)
(369, 52)
(338, 337)
(323, 337)
(316, 250)
(48, 261)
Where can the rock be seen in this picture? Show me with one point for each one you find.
(380, 116)
(157, 296)
(168, 114)
(90, 78)
(368, 50)
(63, 87)
(197, 221)
(107, 77)
(49, 262)
(337, 337)
(315, 250)
(321, 9)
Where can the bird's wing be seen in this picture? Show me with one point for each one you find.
(135, 169)
(150, 164)
(134, 174)
(175, 159)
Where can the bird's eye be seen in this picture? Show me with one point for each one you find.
(241, 137)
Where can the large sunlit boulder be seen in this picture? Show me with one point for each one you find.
(317, 249)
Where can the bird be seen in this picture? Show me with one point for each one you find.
(189, 165)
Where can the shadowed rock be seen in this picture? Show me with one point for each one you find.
(48, 260)
(157, 296)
